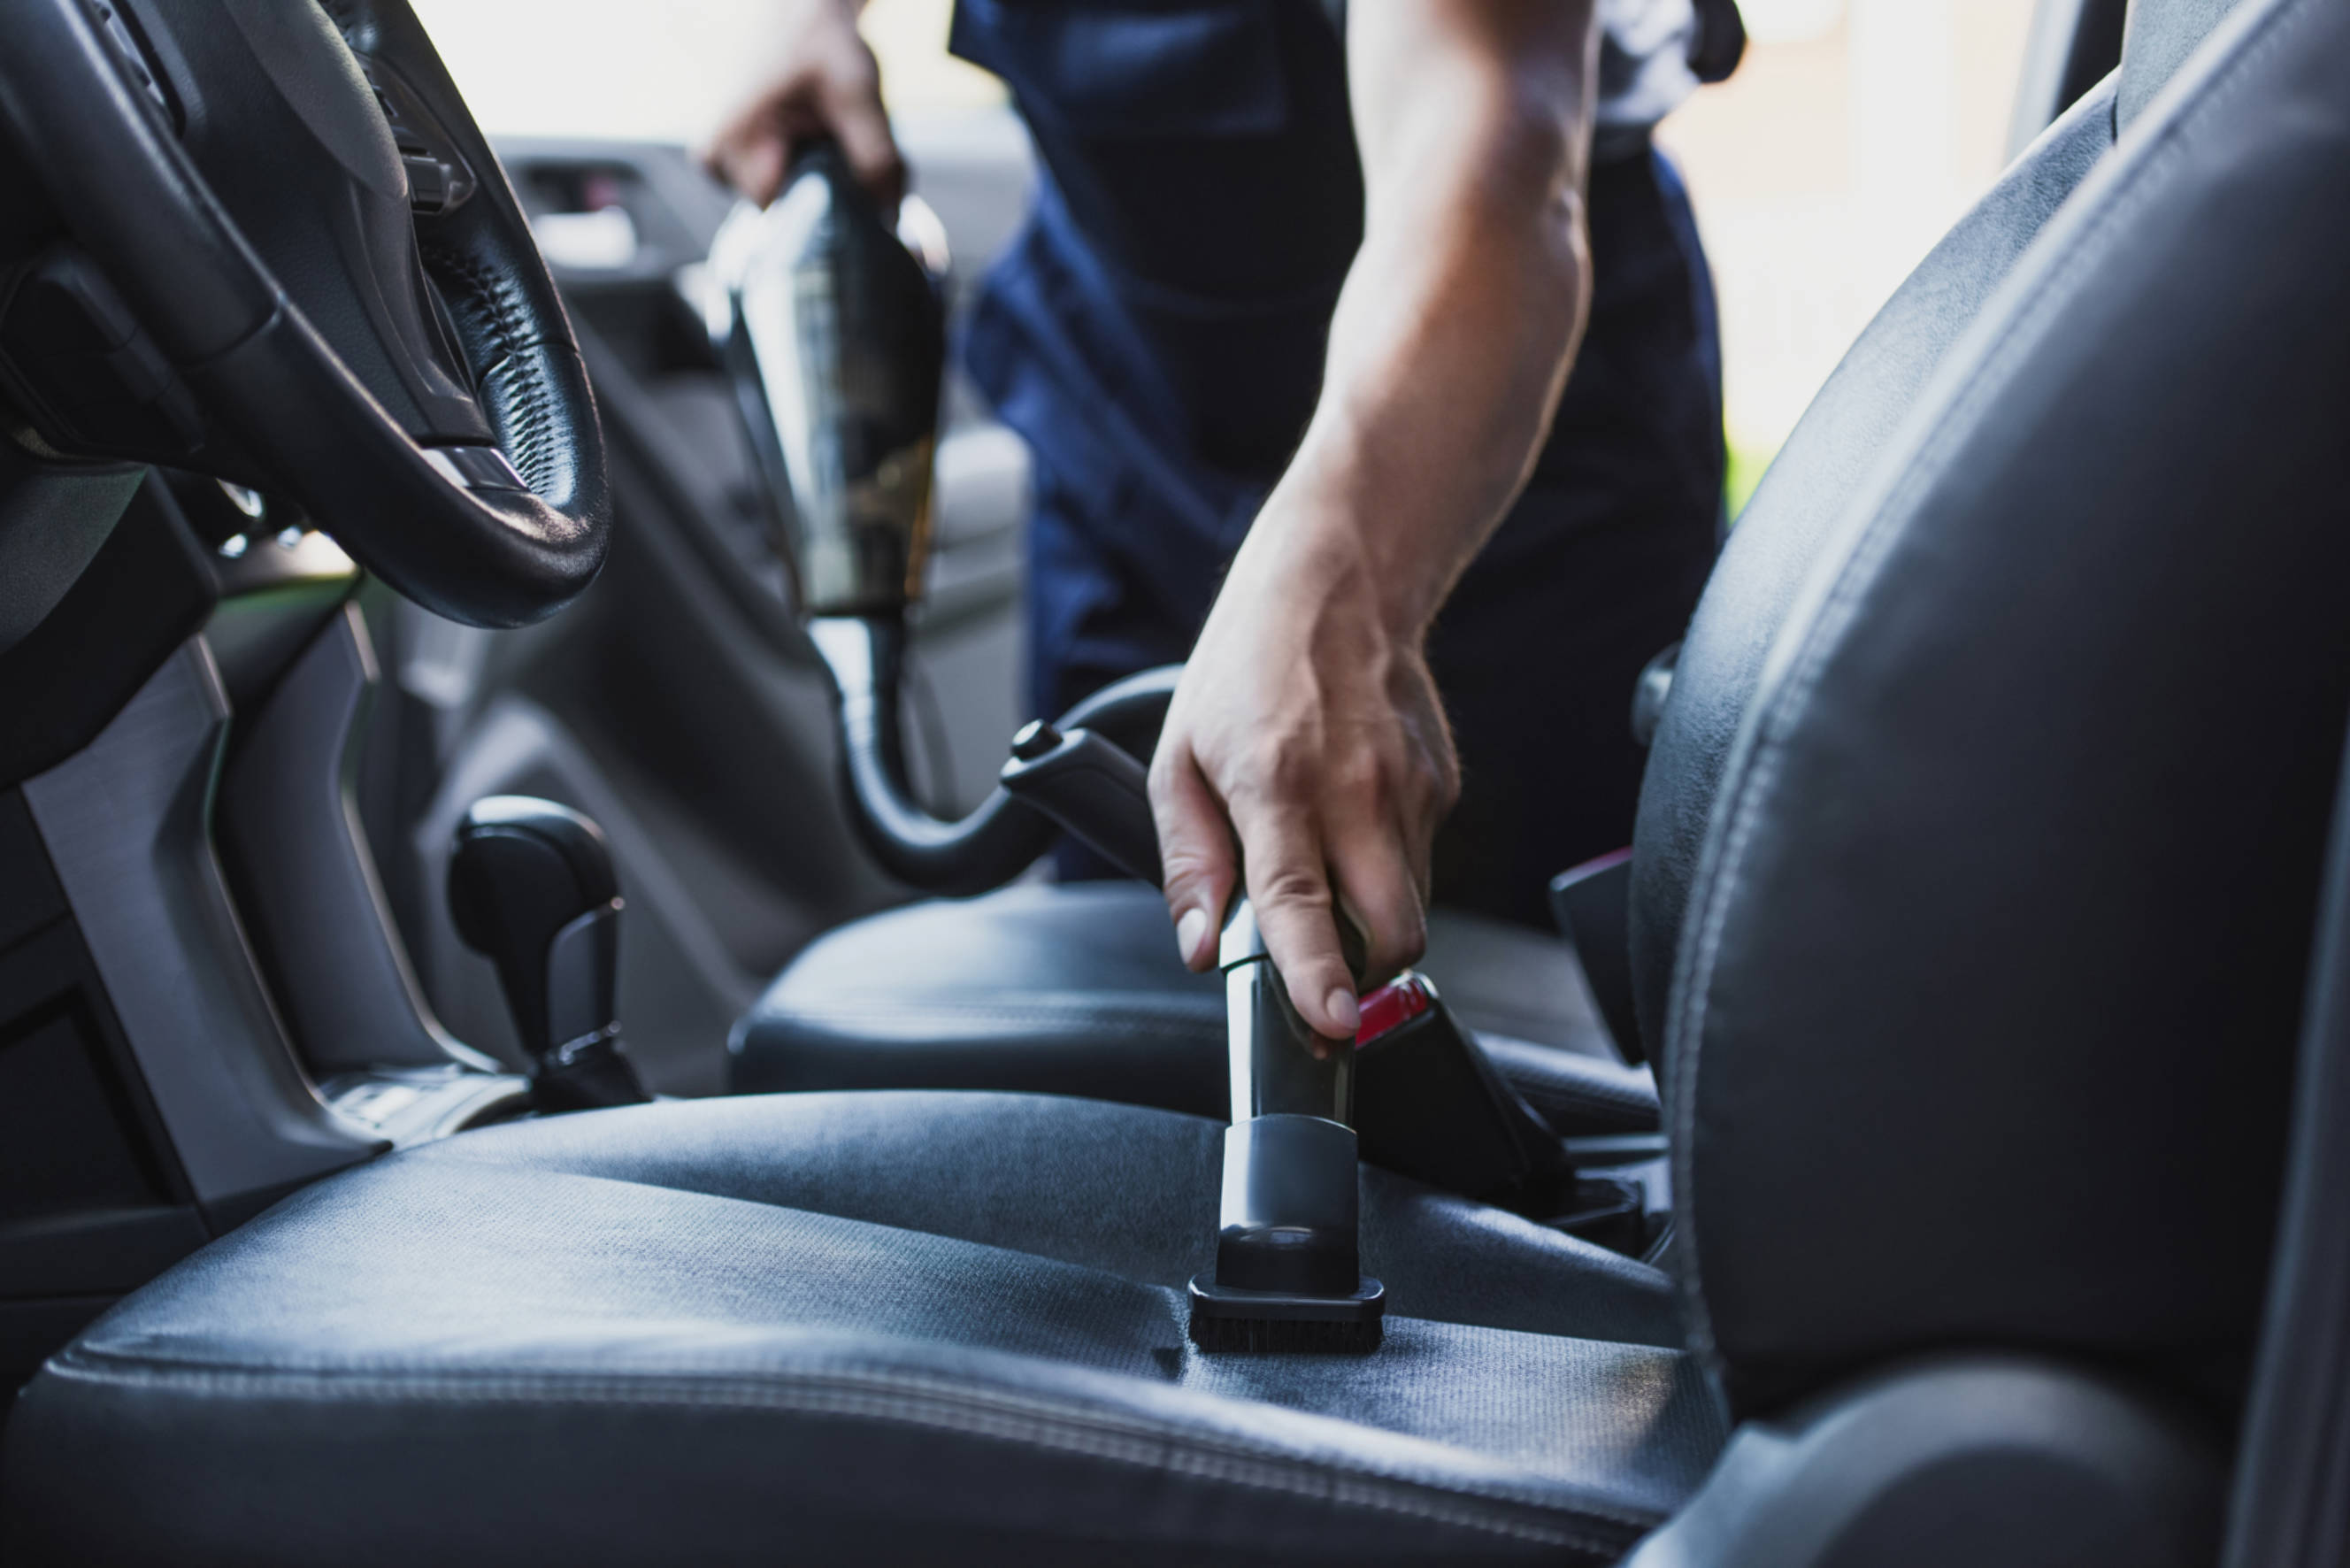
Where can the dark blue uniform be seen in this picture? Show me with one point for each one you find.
(1157, 334)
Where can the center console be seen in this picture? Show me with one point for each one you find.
(202, 1004)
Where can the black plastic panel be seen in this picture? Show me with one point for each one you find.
(125, 822)
(29, 895)
(146, 591)
(92, 1203)
(65, 1144)
(78, 1136)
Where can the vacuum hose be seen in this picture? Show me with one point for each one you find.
(865, 656)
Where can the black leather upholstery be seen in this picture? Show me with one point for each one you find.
(1793, 513)
(2110, 549)
(1077, 989)
(1839, 443)
(906, 1327)
(2156, 38)
(1978, 1041)
(1961, 1462)
(1578, 1095)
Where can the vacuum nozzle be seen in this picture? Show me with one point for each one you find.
(1288, 1274)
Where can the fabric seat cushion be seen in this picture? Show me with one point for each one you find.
(1077, 989)
(890, 1325)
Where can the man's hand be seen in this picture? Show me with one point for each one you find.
(1307, 732)
(828, 86)
(1305, 747)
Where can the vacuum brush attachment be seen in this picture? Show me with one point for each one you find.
(1288, 1274)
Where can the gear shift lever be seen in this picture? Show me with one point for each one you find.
(531, 887)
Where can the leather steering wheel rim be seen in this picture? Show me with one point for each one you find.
(483, 495)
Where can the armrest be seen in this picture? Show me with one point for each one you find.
(1578, 1095)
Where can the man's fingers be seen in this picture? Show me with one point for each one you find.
(754, 164)
(1375, 886)
(1195, 848)
(1281, 853)
(854, 112)
(752, 150)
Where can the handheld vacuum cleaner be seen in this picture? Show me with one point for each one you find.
(831, 326)
(830, 323)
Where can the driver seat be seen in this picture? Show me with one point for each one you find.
(1975, 1220)
(1075, 989)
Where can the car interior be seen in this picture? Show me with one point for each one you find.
(528, 1032)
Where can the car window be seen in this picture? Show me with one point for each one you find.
(1852, 135)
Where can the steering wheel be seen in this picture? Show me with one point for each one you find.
(308, 275)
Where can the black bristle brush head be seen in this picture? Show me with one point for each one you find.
(1268, 1323)
(1267, 1337)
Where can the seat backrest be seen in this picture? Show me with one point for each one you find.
(1982, 1013)
(1832, 451)
(2157, 36)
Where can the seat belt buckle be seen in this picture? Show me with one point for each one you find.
(1429, 1105)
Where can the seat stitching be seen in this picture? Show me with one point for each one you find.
(1139, 1008)
(916, 1400)
(859, 1026)
(1016, 1015)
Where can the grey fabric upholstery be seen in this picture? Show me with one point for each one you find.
(1077, 989)
(886, 1327)
(2110, 549)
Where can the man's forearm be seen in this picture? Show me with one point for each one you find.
(1455, 332)
(1452, 355)
(1305, 751)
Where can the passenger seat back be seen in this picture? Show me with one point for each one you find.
(1982, 1020)
(1842, 440)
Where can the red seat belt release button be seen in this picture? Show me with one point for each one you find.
(1390, 1007)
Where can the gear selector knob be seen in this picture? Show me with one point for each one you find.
(531, 887)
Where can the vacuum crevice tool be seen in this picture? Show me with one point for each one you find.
(1288, 1274)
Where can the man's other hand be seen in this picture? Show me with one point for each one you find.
(828, 85)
